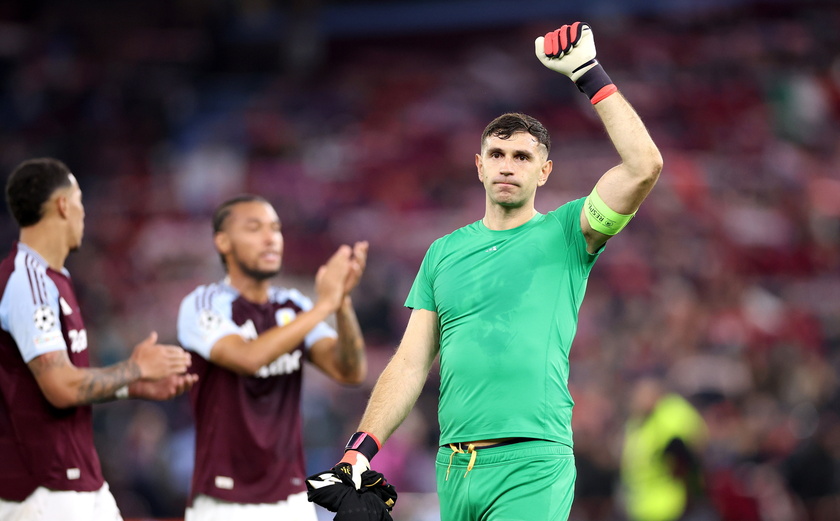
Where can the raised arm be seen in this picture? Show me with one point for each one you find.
(570, 50)
(343, 358)
(65, 385)
(623, 187)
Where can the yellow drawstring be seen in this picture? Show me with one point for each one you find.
(457, 449)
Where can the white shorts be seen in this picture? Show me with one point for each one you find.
(68, 505)
(295, 508)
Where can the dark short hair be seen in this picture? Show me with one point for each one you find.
(222, 212)
(31, 184)
(509, 124)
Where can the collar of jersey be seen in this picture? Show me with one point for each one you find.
(533, 221)
(40, 260)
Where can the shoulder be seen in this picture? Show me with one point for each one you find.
(570, 209)
(281, 295)
(207, 296)
(24, 278)
(464, 233)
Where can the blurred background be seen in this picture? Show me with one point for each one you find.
(361, 121)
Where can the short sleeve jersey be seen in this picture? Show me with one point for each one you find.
(40, 445)
(507, 304)
(248, 428)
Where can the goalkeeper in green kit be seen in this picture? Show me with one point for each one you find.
(498, 300)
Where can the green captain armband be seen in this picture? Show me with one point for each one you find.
(603, 219)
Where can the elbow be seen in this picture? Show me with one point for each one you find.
(249, 367)
(354, 378)
(61, 400)
(646, 170)
(653, 166)
(656, 164)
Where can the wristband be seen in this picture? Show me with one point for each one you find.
(121, 393)
(364, 442)
(595, 82)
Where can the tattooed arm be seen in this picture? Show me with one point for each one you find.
(65, 385)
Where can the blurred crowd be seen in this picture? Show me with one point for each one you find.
(724, 287)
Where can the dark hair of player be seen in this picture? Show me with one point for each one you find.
(509, 124)
(31, 184)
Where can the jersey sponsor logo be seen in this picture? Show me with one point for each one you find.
(248, 330)
(209, 320)
(74, 473)
(490, 249)
(285, 364)
(65, 307)
(78, 340)
(44, 318)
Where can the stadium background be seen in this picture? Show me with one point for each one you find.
(360, 121)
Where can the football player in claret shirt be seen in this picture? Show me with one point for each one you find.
(249, 340)
(49, 468)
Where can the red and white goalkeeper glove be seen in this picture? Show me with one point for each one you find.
(570, 50)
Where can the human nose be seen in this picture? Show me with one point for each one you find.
(507, 166)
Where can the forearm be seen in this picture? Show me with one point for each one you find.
(101, 384)
(350, 360)
(393, 397)
(65, 385)
(639, 155)
(247, 357)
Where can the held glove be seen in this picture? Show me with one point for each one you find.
(336, 492)
(570, 50)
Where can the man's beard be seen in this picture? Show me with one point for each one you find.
(256, 274)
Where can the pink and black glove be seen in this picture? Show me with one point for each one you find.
(570, 50)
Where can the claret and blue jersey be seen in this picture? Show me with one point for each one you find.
(248, 428)
(40, 444)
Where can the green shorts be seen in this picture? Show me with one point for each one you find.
(526, 481)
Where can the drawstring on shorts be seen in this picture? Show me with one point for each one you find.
(456, 449)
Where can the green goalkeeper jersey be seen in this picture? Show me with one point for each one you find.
(507, 305)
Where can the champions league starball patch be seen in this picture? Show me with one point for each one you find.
(209, 320)
(44, 318)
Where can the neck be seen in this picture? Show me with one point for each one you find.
(48, 244)
(500, 218)
(251, 289)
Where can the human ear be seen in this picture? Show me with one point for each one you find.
(222, 242)
(545, 171)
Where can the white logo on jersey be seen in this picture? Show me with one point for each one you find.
(44, 318)
(248, 330)
(490, 249)
(78, 340)
(65, 307)
(286, 364)
(224, 482)
(209, 320)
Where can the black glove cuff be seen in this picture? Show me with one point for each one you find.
(364, 442)
(593, 81)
